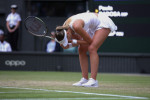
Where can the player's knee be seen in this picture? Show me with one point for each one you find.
(92, 49)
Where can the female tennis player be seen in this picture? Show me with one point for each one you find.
(88, 31)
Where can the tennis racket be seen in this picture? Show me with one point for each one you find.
(37, 27)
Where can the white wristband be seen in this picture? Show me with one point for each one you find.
(74, 41)
(70, 45)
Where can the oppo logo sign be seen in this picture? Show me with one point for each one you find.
(15, 63)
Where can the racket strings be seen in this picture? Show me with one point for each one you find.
(36, 26)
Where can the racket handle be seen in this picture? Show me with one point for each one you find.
(49, 37)
(57, 41)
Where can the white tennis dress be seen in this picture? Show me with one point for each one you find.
(93, 23)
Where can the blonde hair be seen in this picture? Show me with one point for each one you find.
(59, 28)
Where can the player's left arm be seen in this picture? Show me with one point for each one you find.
(79, 40)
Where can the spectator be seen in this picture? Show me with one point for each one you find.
(4, 46)
(52, 46)
(13, 22)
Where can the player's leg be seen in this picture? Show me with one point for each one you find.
(83, 64)
(98, 39)
(83, 60)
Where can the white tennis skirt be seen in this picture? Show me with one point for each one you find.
(106, 22)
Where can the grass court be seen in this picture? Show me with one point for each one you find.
(46, 85)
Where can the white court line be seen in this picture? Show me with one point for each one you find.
(67, 99)
(111, 95)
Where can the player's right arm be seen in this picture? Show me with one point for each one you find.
(78, 28)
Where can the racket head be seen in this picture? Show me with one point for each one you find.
(35, 26)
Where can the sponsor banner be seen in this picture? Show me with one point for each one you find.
(15, 63)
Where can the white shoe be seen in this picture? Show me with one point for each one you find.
(82, 81)
(91, 83)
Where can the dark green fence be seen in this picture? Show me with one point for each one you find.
(109, 62)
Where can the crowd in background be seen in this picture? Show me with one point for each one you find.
(54, 9)
(12, 24)
(9, 39)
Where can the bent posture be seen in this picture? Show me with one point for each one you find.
(88, 31)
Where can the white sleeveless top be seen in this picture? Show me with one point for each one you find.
(93, 23)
